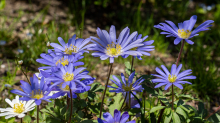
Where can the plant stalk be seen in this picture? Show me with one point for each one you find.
(38, 114)
(172, 97)
(181, 49)
(124, 101)
(106, 85)
(212, 113)
(71, 105)
(21, 120)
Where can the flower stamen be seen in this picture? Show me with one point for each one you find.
(18, 107)
(68, 77)
(172, 78)
(127, 88)
(184, 34)
(71, 49)
(62, 61)
(113, 50)
(37, 94)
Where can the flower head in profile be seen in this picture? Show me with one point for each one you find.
(73, 46)
(110, 47)
(118, 118)
(127, 86)
(69, 77)
(18, 108)
(37, 91)
(173, 77)
(144, 49)
(184, 30)
(55, 61)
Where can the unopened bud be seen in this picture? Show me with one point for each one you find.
(20, 62)
(48, 44)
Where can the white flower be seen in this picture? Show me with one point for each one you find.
(20, 62)
(18, 108)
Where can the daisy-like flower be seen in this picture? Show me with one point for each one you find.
(73, 46)
(37, 91)
(68, 76)
(185, 29)
(134, 102)
(118, 118)
(18, 108)
(60, 91)
(127, 86)
(110, 47)
(54, 61)
(144, 49)
(173, 77)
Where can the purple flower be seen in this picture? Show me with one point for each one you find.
(118, 118)
(110, 47)
(126, 86)
(173, 77)
(144, 49)
(38, 90)
(185, 29)
(68, 76)
(55, 61)
(73, 46)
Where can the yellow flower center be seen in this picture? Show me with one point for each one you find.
(62, 61)
(172, 78)
(113, 50)
(18, 107)
(67, 88)
(71, 49)
(68, 77)
(184, 34)
(37, 94)
(127, 88)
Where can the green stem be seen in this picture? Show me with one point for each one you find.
(172, 97)
(181, 49)
(124, 101)
(71, 105)
(142, 111)
(106, 85)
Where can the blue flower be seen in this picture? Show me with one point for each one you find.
(144, 49)
(118, 118)
(173, 77)
(77, 89)
(38, 90)
(185, 29)
(127, 86)
(55, 61)
(69, 77)
(110, 47)
(73, 46)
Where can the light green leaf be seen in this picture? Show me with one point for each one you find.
(117, 103)
(175, 118)
(27, 119)
(181, 112)
(157, 108)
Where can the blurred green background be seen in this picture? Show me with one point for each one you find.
(27, 25)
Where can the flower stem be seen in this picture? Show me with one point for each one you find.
(212, 113)
(103, 97)
(172, 97)
(71, 105)
(21, 120)
(124, 101)
(38, 114)
(132, 63)
(181, 49)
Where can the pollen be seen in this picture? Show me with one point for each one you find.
(68, 77)
(18, 107)
(71, 49)
(37, 94)
(172, 78)
(127, 88)
(62, 61)
(184, 33)
(113, 50)
(67, 88)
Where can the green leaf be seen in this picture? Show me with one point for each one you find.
(117, 103)
(27, 119)
(215, 118)
(157, 108)
(175, 118)
(87, 121)
(149, 89)
(2, 4)
(181, 112)
(202, 111)
(168, 115)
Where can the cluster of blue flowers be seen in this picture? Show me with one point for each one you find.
(64, 72)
